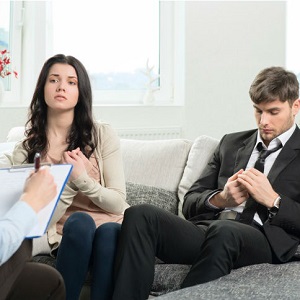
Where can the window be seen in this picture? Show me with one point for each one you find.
(10, 41)
(114, 43)
(116, 40)
(5, 18)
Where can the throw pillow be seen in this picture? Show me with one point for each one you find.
(200, 153)
(158, 163)
(139, 193)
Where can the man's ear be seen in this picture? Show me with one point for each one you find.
(296, 107)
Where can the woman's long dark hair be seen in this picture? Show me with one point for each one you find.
(82, 133)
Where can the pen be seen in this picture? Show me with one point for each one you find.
(37, 162)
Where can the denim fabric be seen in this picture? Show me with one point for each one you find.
(85, 248)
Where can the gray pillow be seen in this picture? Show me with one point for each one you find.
(168, 278)
(138, 194)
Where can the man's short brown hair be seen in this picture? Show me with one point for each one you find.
(274, 83)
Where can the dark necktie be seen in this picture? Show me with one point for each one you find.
(252, 206)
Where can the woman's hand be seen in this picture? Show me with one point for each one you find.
(79, 161)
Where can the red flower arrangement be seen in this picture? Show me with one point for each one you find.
(4, 64)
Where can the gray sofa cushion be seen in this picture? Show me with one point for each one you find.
(263, 281)
(168, 278)
(45, 259)
(139, 193)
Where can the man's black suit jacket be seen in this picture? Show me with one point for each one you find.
(231, 155)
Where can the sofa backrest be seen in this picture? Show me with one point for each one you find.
(158, 163)
(154, 163)
(161, 172)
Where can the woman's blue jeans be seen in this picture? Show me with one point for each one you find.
(86, 248)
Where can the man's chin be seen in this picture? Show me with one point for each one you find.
(267, 137)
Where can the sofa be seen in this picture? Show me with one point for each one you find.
(160, 172)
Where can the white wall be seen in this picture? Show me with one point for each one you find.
(226, 45)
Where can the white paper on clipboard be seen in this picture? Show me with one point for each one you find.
(12, 182)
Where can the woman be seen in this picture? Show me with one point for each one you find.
(85, 227)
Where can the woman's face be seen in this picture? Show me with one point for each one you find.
(61, 88)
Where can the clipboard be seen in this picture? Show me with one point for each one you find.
(12, 182)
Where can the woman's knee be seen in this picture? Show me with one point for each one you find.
(79, 224)
(106, 237)
(110, 230)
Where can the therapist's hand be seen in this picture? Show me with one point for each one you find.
(39, 189)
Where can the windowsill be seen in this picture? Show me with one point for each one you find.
(139, 105)
(6, 105)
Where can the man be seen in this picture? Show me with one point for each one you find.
(20, 279)
(237, 215)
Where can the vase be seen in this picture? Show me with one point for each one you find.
(148, 98)
(2, 91)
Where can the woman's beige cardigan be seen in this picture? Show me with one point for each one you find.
(109, 194)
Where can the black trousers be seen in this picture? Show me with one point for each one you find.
(213, 249)
(21, 279)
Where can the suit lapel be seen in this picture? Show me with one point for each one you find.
(244, 153)
(286, 156)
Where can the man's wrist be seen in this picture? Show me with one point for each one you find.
(217, 200)
(277, 202)
(209, 205)
(274, 209)
(208, 201)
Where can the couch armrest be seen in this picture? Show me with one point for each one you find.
(7, 147)
(15, 134)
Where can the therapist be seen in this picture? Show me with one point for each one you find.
(20, 278)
